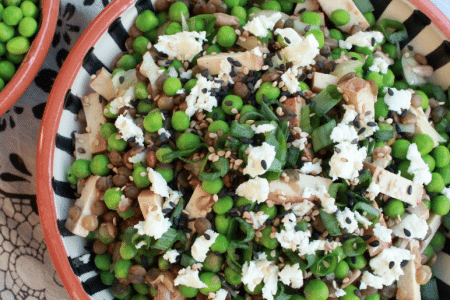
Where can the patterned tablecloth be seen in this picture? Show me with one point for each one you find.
(26, 270)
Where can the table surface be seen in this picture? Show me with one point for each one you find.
(26, 270)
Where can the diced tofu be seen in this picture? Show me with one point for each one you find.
(148, 199)
(358, 92)
(434, 222)
(93, 110)
(308, 5)
(199, 205)
(281, 192)
(321, 80)
(103, 84)
(249, 43)
(356, 17)
(89, 195)
(396, 186)
(82, 146)
(228, 20)
(248, 59)
(295, 104)
(383, 245)
(422, 126)
(407, 286)
(420, 210)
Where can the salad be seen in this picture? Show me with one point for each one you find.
(264, 150)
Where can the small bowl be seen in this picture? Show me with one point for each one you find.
(99, 46)
(34, 58)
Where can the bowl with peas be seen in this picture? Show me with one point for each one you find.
(26, 31)
(251, 150)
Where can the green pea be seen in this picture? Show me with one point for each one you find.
(241, 14)
(70, 176)
(140, 177)
(375, 296)
(318, 34)
(271, 5)
(221, 244)
(103, 234)
(252, 10)
(375, 76)
(232, 277)
(213, 262)
(18, 45)
(340, 17)
(139, 297)
(163, 264)
(99, 165)
(146, 21)
(212, 281)
(125, 295)
(107, 277)
(161, 152)
(336, 34)
(226, 37)
(223, 205)
(6, 32)
(389, 78)
(440, 205)
(7, 70)
(144, 107)
(167, 174)
(163, 17)
(271, 211)
(2, 49)
(153, 122)
(304, 86)
(107, 112)
(403, 168)
(12, 15)
(187, 291)
(122, 268)
(172, 85)
(141, 91)
(438, 240)
(115, 142)
(29, 9)
(188, 140)
(342, 270)
(12, 2)
(103, 261)
(429, 160)
(215, 126)
(445, 174)
(425, 99)
(112, 197)
(266, 240)
(176, 9)
(441, 155)
(427, 203)
(394, 208)
(247, 108)
(310, 17)
(180, 121)
(231, 3)
(370, 17)
(424, 143)
(350, 293)
(437, 183)
(356, 262)
(390, 49)
(81, 168)
(127, 214)
(271, 92)
(217, 113)
(286, 6)
(222, 223)
(401, 85)
(242, 201)
(28, 27)
(214, 48)
(173, 28)
(232, 103)
(298, 297)
(151, 35)
(212, 186)
(400, 148)
(128, 251)
(127, 62)
(316, 289)
(107, 129)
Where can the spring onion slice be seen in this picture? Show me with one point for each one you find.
(250, 115)
(354, 246)
(429, 291)
(268, 113)
(232, 143)
(167, 240)
(365, 178)
(232, 262)
(186, 260)
(177, 211)
(182, 153)
(330, 222)
(293, 256)
(325, 265)
(446, 221)
(311, 259)
(339, 252)
(364, 6)
(337, 190)
(222, 166)
(305, 119)
(371, 211)
(238, 131)
(321, 136)
(394, 31)
(281, 295)
(293, 153)
(247, 229)
(326, 100)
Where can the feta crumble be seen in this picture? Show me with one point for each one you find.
(155, 225)
(349, 115)
(328, 203)
(302, 208)
(362, 39)
(259, 25)
(225, 70)
(263, 128)
(128, 129)
(174, 197)
(400, 99)
(221, 295)
(149, 68)
(382, 233)
(139, 156)
(258, 219)
(418, 167)
(255, 271)
(171, 255)
(292, 275)
(361, 219)
(197, 100)
(256, 189)
(186, 44)
(310, 167)
(289, 237)
(343, 133)
(290, 79)
(340, 293)
(122, 101)
(347, 163)
(259, 159)
(346, 219)
(201, 245)
(387, 263)
(166, 133)
(289, 33)
(159, 184)
(302, 53)
(368, 279)
(411, 227)
(374, 189)
(186, 74)
(381, 63)
(190, 278)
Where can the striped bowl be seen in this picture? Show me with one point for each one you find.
(99, 46)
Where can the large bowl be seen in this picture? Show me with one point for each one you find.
(99, 46)
(34, 58)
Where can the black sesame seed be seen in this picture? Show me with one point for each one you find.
(410, 47)
(373, 41)
(296, 228)
(320, 64)
(348, 221)
(205, 72)
(264, 164)
(356, 124)
(204, 90)
(391, 264)
(159, 57)
(168, 62)
(270, 63)
(166, 210)
(302, 10)
(279, 55)
(407, 232)
(317, 204)
(367, 237)
(403, 114)
(345, 236)
(390, 92)
(371, 124)
(410, 190)
(337, 150)
(307, 28)
(247, 207)
(354, 58)
(375, 244)
(404, 263)
(361, 131)
(302, 77)
(355, 141)
(121, 79)
(357, 293)
(173, 205)
(287, 40)
(230, 59)
(207, 236)
(265, 98)
(353, 259)
(131, 139)
(327, 71)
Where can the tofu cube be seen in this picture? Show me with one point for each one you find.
(93, 109)
(321, 80)
(358, 92)
(103, 84)
(82, 146)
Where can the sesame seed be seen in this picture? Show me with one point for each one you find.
(390, 92)
(404, 263)
(410, 190)
(264, 164)
(407, 232)
(361, 131)
(348, 221)
(391, 264)
(375, 244)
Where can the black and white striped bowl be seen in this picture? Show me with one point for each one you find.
(101, 43)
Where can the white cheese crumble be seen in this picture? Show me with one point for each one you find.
(139, 156)
(290, 79)
(221, 295)
(381, 63)
(387, 263)
(446, 192)
(166, 133)
(155, 225)
(186, 74)
(343, 133)
(256, 189)
(171, 255)
(201, 245)
(186, 44)
(259, 25)
(159, 184)
(368, 279)
(362, 39)
(190, 278)
(374, 189)
(302, 54)
(411, 227)
(259, 159)
(361, 219)
(418, 167)
(321, 193)
(128, 129)
(289, 237)
(346, 219)
(172, 72)
(225, 70)
(258, 219)
(400, 99)
(174, 197)
(382, 233)
(263, 128)
(197, 100)
(292, 275)
(349, 115)
(311, 247)
(149, 68)
(310, 167)
(122, 101)
(347, 163)
(302, 208)
(289, 33)
(340, 293)
(300, 143)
